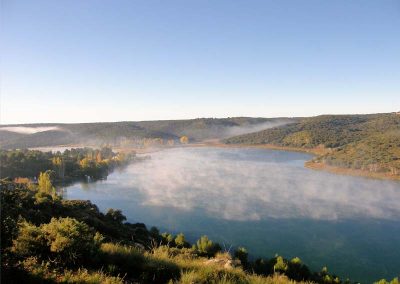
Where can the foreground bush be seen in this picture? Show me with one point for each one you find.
(30, 241)
(64, 240)
(70, 240)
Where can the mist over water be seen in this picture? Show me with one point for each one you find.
(265, 200)
(239, 130)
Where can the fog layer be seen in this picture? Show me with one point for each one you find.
(252, 184)
(28, 130)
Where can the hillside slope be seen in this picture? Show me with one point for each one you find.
(117, 133)
(368, 143)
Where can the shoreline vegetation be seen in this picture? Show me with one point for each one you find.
(350, 172)
(311, 164)
(71, 165)
(358, 145)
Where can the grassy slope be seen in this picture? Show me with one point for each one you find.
(369, 143)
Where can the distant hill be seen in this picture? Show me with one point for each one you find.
(117, 133)
(361, 142)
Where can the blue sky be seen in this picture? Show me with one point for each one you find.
(80, 61)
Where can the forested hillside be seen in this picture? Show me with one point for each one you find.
(362, 142)
(130, 133)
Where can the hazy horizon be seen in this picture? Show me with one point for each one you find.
(178, 119)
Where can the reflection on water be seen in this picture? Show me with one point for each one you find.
(264, 199)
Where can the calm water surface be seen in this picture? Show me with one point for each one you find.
(264, 200)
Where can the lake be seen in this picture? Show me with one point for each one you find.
(264, 200)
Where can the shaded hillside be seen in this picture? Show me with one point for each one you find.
(367, 142)
(9, 136)
(117, 133)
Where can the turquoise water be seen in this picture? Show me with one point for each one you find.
(264, 200)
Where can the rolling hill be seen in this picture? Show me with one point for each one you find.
(117, 133)
(369, 143)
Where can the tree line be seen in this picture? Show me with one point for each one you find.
(70, 165)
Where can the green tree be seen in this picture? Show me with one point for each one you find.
(168, 239)
(46, 190)
(295, 260)
(85, 163)
(205, 246)
(180, 240)
(70, 240)
(59, 164)
(242, 254)
(297, 270)
(44, 184)
(30, 241)
(280, 265)
(115, 215)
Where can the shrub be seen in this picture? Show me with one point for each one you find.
(115, 215)
(297, 270)
(206, 247)
(70, 240)
(280, 265)
(180, 241)
(30, 241)
(242, 254)
(384, 281)
(167, 239)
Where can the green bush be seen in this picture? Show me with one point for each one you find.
(242, 254)
(180, 241)
(69, 240)
(30, 241)
(204, 246)
(115, 215)
(384, 281)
